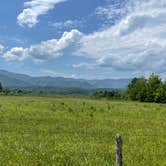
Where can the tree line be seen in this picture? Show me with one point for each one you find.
(108, 94)
(142, 89)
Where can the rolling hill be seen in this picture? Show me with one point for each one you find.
(14, 80)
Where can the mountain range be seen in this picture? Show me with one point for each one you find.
(15, 80)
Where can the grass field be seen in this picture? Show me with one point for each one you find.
(61, 131)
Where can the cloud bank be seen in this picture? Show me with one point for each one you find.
(136, 43)
(33, 9)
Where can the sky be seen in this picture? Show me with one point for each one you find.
(89, 39)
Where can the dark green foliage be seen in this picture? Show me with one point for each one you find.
(137, 90)
(49, 90)
(108, 94)
(147, 90)
(1, 87)
(160, 94)
(154, 83)
(19, 91)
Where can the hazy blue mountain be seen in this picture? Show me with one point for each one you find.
(10, 80)
(110, 83)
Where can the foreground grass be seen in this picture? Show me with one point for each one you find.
(67, 131)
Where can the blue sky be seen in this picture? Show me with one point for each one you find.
(91, 39)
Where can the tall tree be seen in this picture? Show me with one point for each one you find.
(154, 83)
(137, 90)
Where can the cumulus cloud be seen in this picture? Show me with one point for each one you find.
(16, 53)
(136, 42)
(47, 49)
(55, 48)
(33, 9)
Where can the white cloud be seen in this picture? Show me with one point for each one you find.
(55, 48)
(1, 48)
(47, 49)
(85, 65)
(52, 73)
(16, 53)
(112, 12)
(137, 42)
(33, 9)
(65, 24)
(68, 24)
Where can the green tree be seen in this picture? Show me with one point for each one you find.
(154, 83)
(137, 89)
(160, 94)
(150, 90)
(132, 89)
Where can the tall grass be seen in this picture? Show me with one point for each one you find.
(77, 131)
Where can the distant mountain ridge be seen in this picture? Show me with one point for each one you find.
(11, 80)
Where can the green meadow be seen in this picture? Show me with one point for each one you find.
(71, 131)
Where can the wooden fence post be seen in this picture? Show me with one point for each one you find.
(118, 150)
